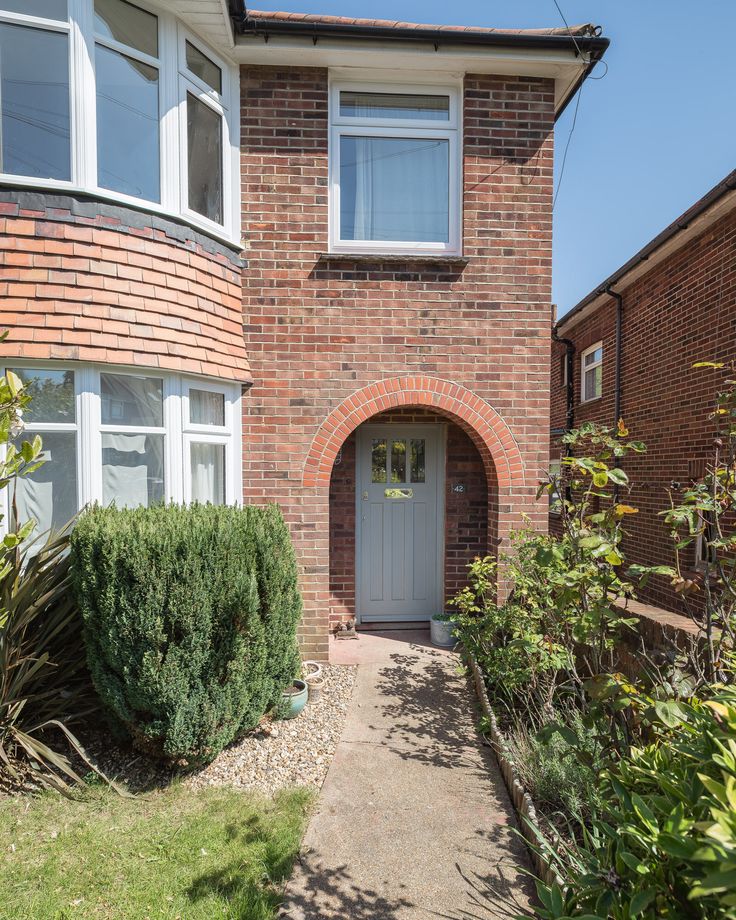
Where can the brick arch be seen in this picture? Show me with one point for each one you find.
(486, 427)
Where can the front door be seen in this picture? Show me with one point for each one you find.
(400, 483)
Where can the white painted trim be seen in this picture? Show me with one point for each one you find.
(387, 429)
(584, 398)
(172, 116)
(449, 131)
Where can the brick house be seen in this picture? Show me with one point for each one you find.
(286, 258)
(630, 346)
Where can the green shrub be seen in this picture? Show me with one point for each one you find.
(190, 618)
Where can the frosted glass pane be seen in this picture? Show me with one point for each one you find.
(206, 408)
(395, 189)
(208, 473)
(132, 469)
(127, 24)
(204, 152)
(52, 395)
(128, 400)
(395, 105)
(34, 92)
(127, 125)
(49, 494)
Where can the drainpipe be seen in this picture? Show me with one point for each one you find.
(619, 321)
(570, 388)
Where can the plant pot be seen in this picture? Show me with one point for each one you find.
(314, 688)
(440, 632)
(312, 670)
(296, 695)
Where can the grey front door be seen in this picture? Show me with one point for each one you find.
(400, 485)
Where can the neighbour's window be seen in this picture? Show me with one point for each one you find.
(110, 95)
(591, 372)
(555, 470)
(132, 439)
(394, 170)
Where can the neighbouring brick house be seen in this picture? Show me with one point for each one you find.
(675, 303)
(287, 258)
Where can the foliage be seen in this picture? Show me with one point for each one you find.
(664, 841)
(181, 852)
(551, 770)
(44, 683)
(190, 618)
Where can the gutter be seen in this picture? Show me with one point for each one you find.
(723, 188)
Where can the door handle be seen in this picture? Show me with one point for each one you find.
(365, 495)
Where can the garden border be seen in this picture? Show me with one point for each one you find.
(523, 804)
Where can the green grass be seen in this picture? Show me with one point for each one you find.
(171, 854)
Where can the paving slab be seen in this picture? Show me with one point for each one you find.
(413, 820)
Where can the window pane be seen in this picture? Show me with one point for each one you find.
(52, 394)
(594, 356)
(127, 125)
(49, 494)
(203, 67)
(417, 460)
(206, 408)
(398, 461)
(34, 91)
(378, 461)
(394, 188)
(204, 146)
(395, 105)
(593, 382)
(47, 9)
(128, 400)
(132, 469)
(127, 24)
(208, 473)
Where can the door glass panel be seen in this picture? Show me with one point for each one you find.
(49, 494)
(132, 469)
(398, 461)
(204, 152)
(46, 9)
(128, 25)
(200, 65)
(206, 407)
(34, 92)
(52, 395)
(208, 473)
(417, 460)
(378, 461)
(127, 125)
(128, 400)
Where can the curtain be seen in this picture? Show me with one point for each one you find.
(132, 469)
(49, 494)
(208, 473)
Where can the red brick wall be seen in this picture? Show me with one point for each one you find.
(320, 329)
(119, 289)
(466, 513)
(682, 311)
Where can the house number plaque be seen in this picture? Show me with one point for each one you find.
(458, 487)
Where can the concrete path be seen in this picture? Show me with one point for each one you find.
(413, 820)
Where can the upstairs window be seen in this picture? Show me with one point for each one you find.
(145, 117)
(394, 169)
(591, 372)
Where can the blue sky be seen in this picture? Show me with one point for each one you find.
(652, 136)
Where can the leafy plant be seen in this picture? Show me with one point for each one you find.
(190, 620)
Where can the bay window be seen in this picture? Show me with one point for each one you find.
(146, 115)
(133, 439)
(394, 168)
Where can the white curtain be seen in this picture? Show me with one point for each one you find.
(132, 469)
(394, 188)
(208, 473)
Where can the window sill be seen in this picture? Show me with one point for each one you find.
(588, 402)
(364, 258)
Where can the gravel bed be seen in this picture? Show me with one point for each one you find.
(295, 752)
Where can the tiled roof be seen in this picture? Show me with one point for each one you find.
(587, 30)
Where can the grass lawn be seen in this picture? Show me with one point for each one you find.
(173, 854)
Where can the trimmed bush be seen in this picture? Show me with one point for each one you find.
(190, 618)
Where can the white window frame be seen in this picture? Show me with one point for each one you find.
(450, 130)
(172, 115)
(584, 398)
(177, 431)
